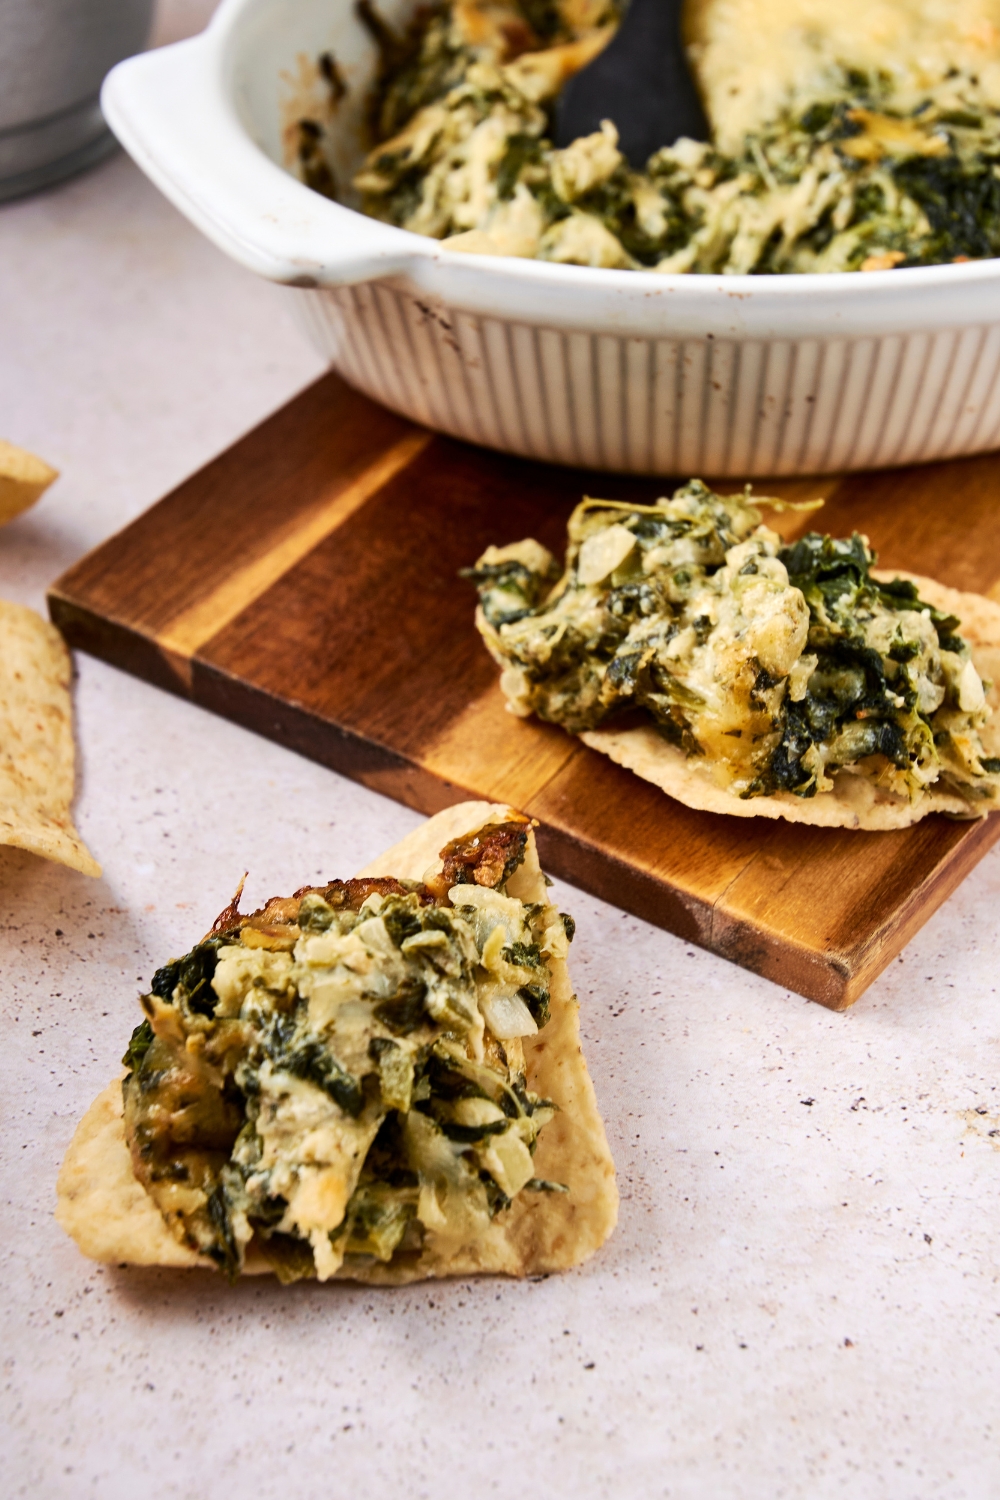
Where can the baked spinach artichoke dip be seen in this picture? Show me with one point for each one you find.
(379, 1078)
(845, 137)
(742, 675)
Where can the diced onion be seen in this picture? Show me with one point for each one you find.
(603, 552)
(507, 1016)
(486, 910)
(421, 942)
(478, 1112)
(971, 697)
(508, 1161)
(375, 936)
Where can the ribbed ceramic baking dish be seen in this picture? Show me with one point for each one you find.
(724, 376)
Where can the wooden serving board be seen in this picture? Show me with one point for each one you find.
(305, 585)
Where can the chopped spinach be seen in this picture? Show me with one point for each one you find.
(536, 998)
(290, 1258)
(523, 955)
(139, 1044)
(377, 1220)
(962, 204)
(401, 918)
(521, 149)
(311, 1060)
(469, 1134)
(496, 1198)
(224, 1251)
(508, 590)
(404, 1011)
(448, 1081)
(193, 973)
(832, 565)
(315, 913)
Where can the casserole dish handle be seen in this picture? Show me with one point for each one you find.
(175, 114)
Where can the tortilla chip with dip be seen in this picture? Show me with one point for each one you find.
(378, 1079)
(749, 676)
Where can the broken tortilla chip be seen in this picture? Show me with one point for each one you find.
(36, 741)
(23, 478)
(113, 1219)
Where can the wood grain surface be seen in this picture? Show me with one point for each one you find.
(305, 584)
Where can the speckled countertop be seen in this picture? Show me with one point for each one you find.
(803, 1293)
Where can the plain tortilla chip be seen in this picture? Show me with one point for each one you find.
(856, 801)
(36, 741)
(112, 1218)
(23, 478)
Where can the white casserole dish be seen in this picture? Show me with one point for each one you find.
(725, 376)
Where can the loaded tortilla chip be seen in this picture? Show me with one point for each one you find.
(742, 675)
(379, 1079)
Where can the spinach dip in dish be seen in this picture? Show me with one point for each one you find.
(837, 152)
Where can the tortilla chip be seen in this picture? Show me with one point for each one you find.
(112, 1218)
(36, 741)
(23, 478)
(101, 1205)
(855, 801)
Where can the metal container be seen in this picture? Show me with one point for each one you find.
(53, 57)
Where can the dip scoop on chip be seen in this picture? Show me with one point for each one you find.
(744, 675)
(378, 1079)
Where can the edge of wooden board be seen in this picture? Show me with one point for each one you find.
(838, 977)
(834, 978)
(756, 907)
(118, 644)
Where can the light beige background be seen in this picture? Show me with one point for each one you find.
(802, 1297)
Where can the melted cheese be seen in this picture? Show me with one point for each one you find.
(714, 644)
(752, 56)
